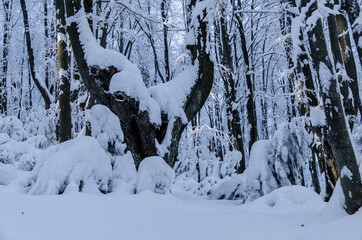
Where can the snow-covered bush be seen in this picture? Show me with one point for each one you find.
(11, 151)
(13, 127)
(154, 174)
(273, 163)
(230, 163)
(74, 165)
(204, 154)
(27, 162)
(124, 173)
(207, 186)
(41, 122)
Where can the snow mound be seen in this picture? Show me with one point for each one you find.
(7, 174)
(288, 199)
(76, 163)
(154, 174)
(124, 168)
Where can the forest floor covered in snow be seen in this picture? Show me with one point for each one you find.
(290, 213)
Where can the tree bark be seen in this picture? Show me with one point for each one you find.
(339, 136)
(7, 4)
(43, 91)
(352, 10)
(65, 122)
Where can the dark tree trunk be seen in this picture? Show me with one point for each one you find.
(230, 85)
(352, 10)
(250, 105)
(65, 122)
(339, 136)
(7, 4)
(164, 15)
(43, 91)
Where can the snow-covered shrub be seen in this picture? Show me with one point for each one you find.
(124, 168)
(7, 174)
(204, 154)
(107, 130)
(41, 122)
(13, 127)
(230, 163)
(207, 186)
(11, 150)
(156, 175)
(77, 164)
(27, 162)
(38, 141)
(273, 163)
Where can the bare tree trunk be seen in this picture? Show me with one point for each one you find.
(352, 10)
(338, 137)
(250, 105)
(164, 14)
(7, 4)
(41, 87)
(65, 122)
(230, 85)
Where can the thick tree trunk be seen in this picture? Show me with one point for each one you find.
(339, 136)
(65, 123)
(341, 71)
(352, 10)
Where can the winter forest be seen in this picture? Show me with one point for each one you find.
(180, 119)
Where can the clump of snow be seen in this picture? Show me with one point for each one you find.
(288, 199)
(27, 161)
(317, 116)
(106, 128)
(77, 163)
(4, 138)
(156, 175)
(7, 173)
(172, 95)
(124, 168)
(345, 172)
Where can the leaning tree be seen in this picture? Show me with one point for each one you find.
(152, 119)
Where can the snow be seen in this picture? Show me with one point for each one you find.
(297, 214)
(345, 172)
(154, 174)
(71, 164)
(7, 173)
(171, 96)
(317, 116)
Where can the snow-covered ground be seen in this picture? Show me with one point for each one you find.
(290, 213)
